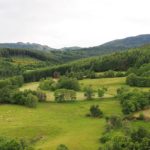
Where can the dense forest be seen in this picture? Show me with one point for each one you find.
(120, 61)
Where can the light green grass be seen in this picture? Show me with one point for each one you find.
(51, 124)
(24, 60)
(111, 83)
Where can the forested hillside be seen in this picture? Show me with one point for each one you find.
(120, 61)
(73, 53)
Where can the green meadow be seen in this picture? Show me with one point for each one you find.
(51, 124)
(112, 84)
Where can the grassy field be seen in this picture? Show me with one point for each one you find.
(25, 60)
(112, 84)
(51, 124)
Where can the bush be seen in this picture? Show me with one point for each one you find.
(6, 94)
(68, 83)
(105, 138)
(95, 111)
(114, 122)
(13, 81)
(138, 140)
(109, 73)
(47, 84)
(13, 144)
(63, 95)
(133, 101)
(134, 80)
(31, 100)
(62, 147)
(101, 92)
(141, 116)
(119, 74)
(41, 96)
(28, 98)
(89, 93)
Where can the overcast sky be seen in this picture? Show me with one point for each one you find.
(61, 23)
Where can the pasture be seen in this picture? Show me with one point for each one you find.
(112, 84)
(51, 124)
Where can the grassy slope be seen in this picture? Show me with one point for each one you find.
(52, 124)
(111, 83)
(25, 60)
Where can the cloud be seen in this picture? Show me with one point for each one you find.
(60, 23)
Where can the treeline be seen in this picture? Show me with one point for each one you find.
(44, 56)
(120, 61)
(132, 101)
(140, 81)
(16, 81)
(8, 69)
(139, 76)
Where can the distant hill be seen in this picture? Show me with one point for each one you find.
(70, 48)
(21, 45)
(66, 54)
(119, 61)
(117, 45)
(129, 42)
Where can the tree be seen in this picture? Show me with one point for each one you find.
(63, 95)
(68, 83)
(6, 94)
(89, 93)
(109, 73)
(114, 122)
(10, 144)
(101, 92)
(47, 84)
(31, 100)
(95, 111)
(41, 96)
(131, 79)
(139, 134)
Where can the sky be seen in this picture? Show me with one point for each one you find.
(65, 23)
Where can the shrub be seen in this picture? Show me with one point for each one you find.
(141, 116)
(6, 94)
(31, 100)
(41, 96)
(114, 122)
(13, 81)
(137, 140)
(105, 138)
(89, 93)
(10, 144)
(68, 83)
(95, 111)
(28, 98)
(47, 84)
(109, 73)
(62, 147)
(62, 95)
(133, 101)
(134, 80)
(119, 74)
(139, 134)
(101, 92)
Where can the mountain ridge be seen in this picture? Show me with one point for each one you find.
(123, 43)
